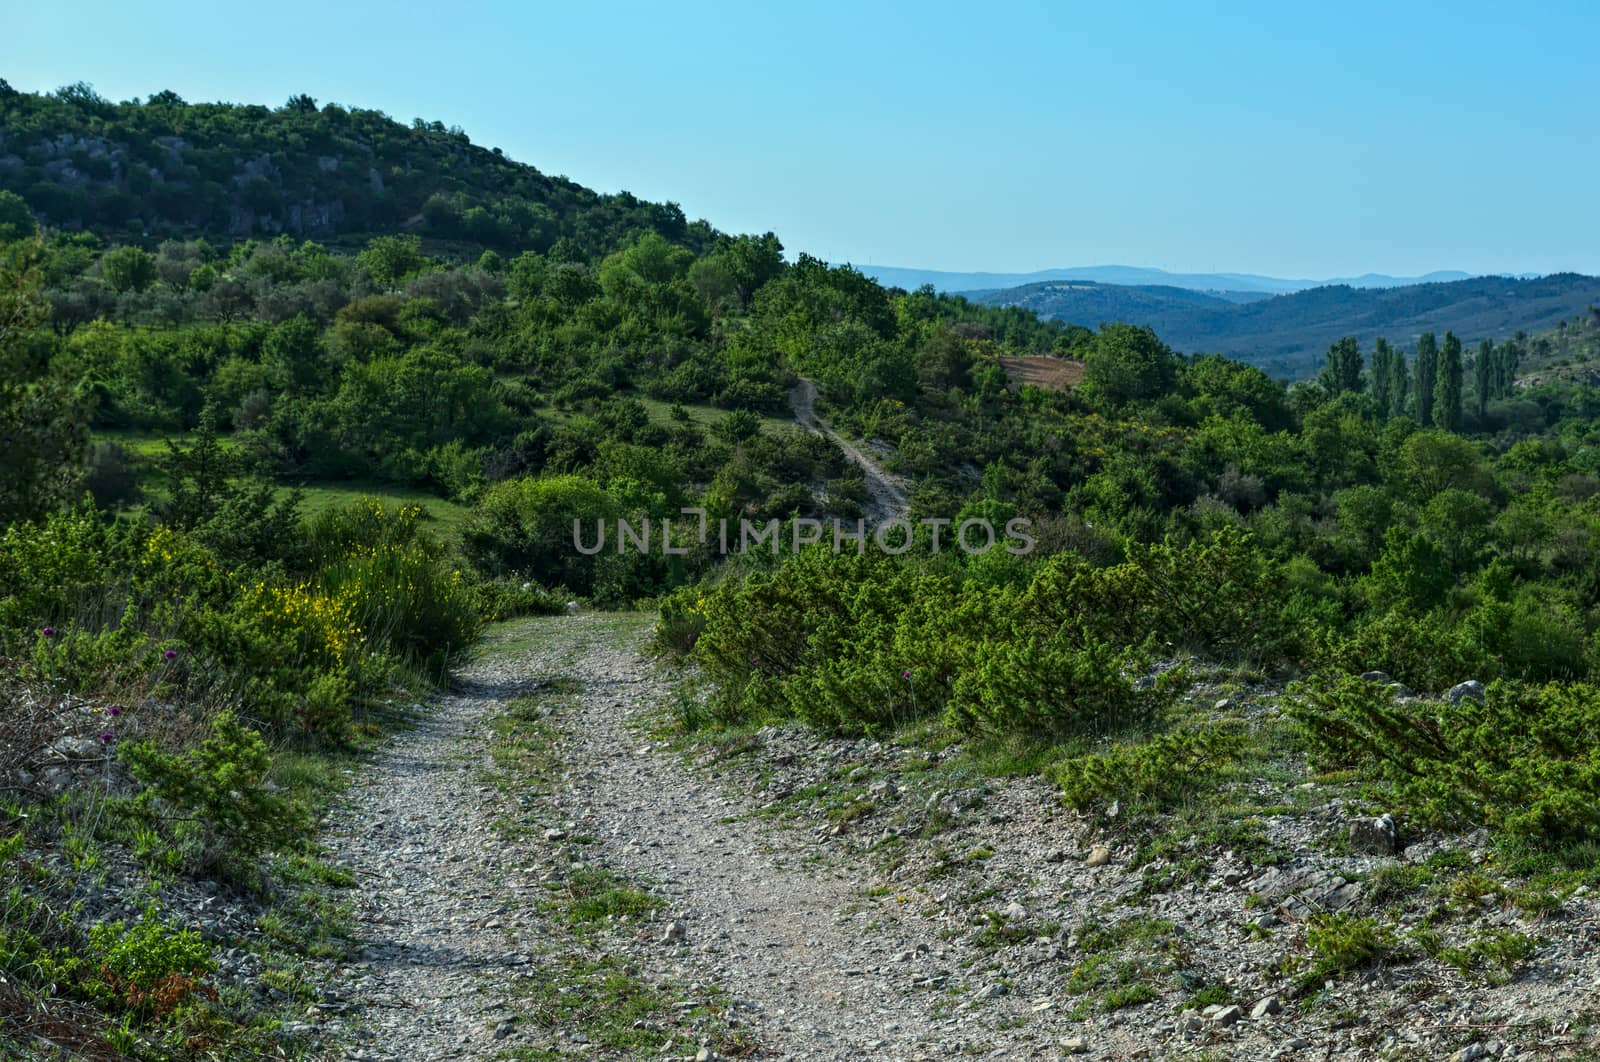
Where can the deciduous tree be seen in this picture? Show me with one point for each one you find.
(128, 269)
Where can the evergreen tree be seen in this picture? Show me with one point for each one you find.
(1343, 369)
(1483, 376)
(1381, 377)
(198, 472)
(1427, 372)
(1447, 397)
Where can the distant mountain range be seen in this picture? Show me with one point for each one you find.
(1289, 334)
(1236, 287)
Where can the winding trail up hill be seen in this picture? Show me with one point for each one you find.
(886, 498)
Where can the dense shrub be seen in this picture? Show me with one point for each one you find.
(507, 598)
(850, 642)
(1149, 774)
(53, 569)
(1524, 761)
(1220, 596)
(1429, 652)
(530, 527)
(292, 653)
(1053, 689)
(226, 816)
(405, 598)
(150, 967)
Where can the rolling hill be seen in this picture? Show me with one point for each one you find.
(1234, 287)
(1288, 334)
(142, 171)
(163, 168)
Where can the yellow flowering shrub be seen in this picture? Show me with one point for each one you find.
(321, 627)
(406, 598)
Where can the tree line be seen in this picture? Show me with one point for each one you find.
(1432, 385)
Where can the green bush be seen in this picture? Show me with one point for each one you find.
(1536, 636)
(1495, 958)
(1428, 652)
(1044, 651)
(1220, 596)
(1052, 690)
(406, 599)
(1340, 944)
(151, 967)
(1524, 761)
(293, 652)
(526, 526)
(851, 643)
(89, 661)
(365, 523)
(510, 597)
(844, 642)
(217, 796)
(680, 622)
(54, 572)
(1150, 774)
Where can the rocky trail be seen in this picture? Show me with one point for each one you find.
(448, 910)
(886, 498)
(837, 899)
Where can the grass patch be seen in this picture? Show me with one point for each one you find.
(597, 896)
(608, 1004)
(443, 516)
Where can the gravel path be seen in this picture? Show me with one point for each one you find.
(751, 910)
(432, 883)
(784, 936)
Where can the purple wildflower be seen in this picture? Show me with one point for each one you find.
(49, 632)
(905, 674)
(107, 738)
(170, 654)
(114, 711)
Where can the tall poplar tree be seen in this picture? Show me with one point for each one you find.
(1510, 355)
(1382, 375)
(1447, 397)
(1399, 383)
(1427, 371)
(1343, 369)
(1483, 376)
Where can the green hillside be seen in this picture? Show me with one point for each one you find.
(1567, 353)
(143, 171)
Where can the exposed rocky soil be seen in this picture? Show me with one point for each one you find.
(851, 899)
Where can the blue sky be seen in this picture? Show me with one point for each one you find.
(1269, 138)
